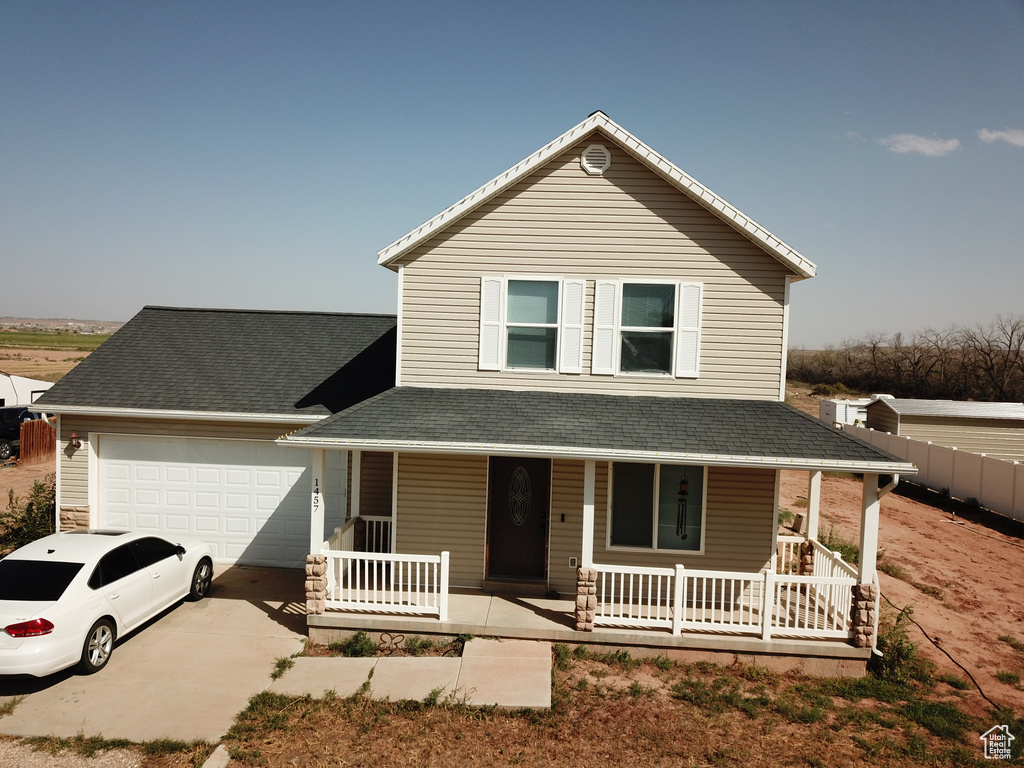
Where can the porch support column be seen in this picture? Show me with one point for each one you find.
(589, 481)
(586, 576)
(356, 474)
(316, 505)
(869, 509)
(813, 503)
(864, 605)
(316, 561)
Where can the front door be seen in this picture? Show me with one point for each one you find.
(517, 517)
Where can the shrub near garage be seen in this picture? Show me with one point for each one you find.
(26, 520)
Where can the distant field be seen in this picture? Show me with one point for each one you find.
(45, 355)
(76, 342)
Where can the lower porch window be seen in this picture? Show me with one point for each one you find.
(657, 506)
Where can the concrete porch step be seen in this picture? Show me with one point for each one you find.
(505, 673)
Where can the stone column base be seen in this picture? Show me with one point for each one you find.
(74, 518)
(862, 615)
(316, 584)
(586, 599)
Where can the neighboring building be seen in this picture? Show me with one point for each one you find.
(853, 411)
(994, 429)
(588, 401)
(20, 390)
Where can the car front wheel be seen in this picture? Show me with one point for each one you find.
(6, 449)
(202, 577)
(99, 644)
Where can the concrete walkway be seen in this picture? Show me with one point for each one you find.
(506, 673)
(183, 676)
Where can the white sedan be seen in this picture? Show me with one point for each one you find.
(66, 598)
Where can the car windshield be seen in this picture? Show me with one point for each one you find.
(35, 580)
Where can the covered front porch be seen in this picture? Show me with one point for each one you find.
(807, 595)
(553, 619)
(740, 586)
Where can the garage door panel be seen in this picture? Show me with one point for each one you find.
(178, 475)
(178, 499)
(239, 525)
(117, 520)
(248, 499)
(204, 500)
(207, 476)
(206, 524)
(177, 523)
(117, 495)
(147, 521)
(147, 497)
(241, 477)
(147, 473)
(118, 470)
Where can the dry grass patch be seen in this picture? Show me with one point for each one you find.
(616, 710)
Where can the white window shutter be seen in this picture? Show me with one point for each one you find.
(491, 325)
(688, 316)
(570, 327)
(602, 359)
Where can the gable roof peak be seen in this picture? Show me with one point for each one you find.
(598, 120)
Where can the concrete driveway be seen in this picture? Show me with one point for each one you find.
(183, 676)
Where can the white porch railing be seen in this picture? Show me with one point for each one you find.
(376, 538)
(386, 583)
(378, 533)
(827, 562)
(634, 597)
(763, 603)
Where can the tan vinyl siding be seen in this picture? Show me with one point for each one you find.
(740, 513)
(375, 483)
(442, 505)
(883, 419)
(627, 223)
(74, 467)
(565, 534)
(565, 538)
(998, 438)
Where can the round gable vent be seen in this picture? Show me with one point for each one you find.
(596, 159)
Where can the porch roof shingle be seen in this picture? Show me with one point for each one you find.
(708, 431)
(233, 363)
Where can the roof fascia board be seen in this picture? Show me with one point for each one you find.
(144, 413)
(742, 223)
(706, 459)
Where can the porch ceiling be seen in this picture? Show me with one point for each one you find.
(563, 424)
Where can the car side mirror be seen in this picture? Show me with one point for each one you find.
(179, 551)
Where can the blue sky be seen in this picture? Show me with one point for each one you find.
(258, 155)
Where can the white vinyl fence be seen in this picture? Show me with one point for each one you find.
(996, 484)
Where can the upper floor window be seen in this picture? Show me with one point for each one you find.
(531, 323)
(650, 327)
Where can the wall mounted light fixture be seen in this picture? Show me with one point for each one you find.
(74, 440)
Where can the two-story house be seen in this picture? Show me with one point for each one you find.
(588, 413)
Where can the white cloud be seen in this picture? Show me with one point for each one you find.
(910, 142)
(1013, 136)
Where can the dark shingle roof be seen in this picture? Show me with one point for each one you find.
(720, 431)
(235, 361)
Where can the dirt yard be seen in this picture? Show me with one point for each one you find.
(960, 577)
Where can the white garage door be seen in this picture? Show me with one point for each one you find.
(249, 500)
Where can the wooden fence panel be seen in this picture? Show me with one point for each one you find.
(38, 441)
